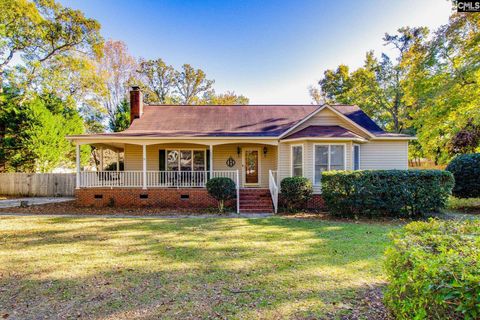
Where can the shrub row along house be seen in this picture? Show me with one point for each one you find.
(170, 152)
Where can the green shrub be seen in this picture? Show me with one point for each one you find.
(466, 170)
(222, 189)
(433, 269)
(296, 191)
(396, 193)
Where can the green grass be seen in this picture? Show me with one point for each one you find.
(465, 205)
(108, 268)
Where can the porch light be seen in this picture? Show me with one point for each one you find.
(239, 150)
(265, 150)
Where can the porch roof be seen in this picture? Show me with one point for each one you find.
(324, 132)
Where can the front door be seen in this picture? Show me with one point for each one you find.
(251, 167)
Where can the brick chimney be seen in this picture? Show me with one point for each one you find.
(136, 103)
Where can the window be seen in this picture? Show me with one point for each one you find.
(186, 160)
(297, 161)
(356, 157)
(328, 157)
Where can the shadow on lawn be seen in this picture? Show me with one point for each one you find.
(191, 268)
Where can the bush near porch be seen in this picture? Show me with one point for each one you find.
(395, 193)
(296, 192)
(433, 270)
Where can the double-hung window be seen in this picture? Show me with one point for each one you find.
(328, 157)
(297, 160)
(356, 157)
(186, 160)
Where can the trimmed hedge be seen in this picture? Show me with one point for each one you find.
(222, 189)
(466, 170)
(296, 191)
(433, 269)
(397, 193)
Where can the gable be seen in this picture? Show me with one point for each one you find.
(327, 117)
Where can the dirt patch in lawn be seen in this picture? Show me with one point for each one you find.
(69, 207)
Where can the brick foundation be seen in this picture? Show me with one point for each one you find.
(316, 203)
(197, 198)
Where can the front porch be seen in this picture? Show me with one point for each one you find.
(152, 170)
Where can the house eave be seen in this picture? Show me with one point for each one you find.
(324, 139)
(394, 138)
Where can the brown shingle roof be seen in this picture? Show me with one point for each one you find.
(323, 132)
(231, 121)
(241, 121)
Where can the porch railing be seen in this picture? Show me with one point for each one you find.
(272, 185)
(134, 179)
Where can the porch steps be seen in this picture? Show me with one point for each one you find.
(255, 201)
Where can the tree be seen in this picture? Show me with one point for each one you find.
(228, 98)
(467, 140)
(442, 84)
(117, 68)
(158, 81)
(41, 31)
(56, 47)
(190, 83)
(121, 118)
(34, 135)
(19, 20)
(377, 87)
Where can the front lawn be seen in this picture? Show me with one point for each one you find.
(126, 268)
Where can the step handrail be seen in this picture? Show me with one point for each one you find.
(272, 185)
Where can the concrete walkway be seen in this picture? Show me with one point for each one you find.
(11, 203)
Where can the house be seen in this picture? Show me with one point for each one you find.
(170, 152)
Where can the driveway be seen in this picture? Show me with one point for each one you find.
(11, 203)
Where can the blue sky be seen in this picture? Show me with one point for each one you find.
(270, 51)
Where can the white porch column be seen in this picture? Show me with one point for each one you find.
(144, 171)
(77, 184)
(101, 159)
(211, 161)
(118, 161)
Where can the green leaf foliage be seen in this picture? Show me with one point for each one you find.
(222, 189)
(433, 270)
(121, 117)
(466, 170)
(396, 193)
(295, 192)
(35, 133)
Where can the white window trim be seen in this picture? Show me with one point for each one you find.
(291, 158)
(353, 156)
(187, 149)
(329, 144)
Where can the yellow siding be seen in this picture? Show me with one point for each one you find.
(133, 157)
(327, 117)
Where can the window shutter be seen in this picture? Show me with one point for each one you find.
(161, 158)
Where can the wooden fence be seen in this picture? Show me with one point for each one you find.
(37, 184)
